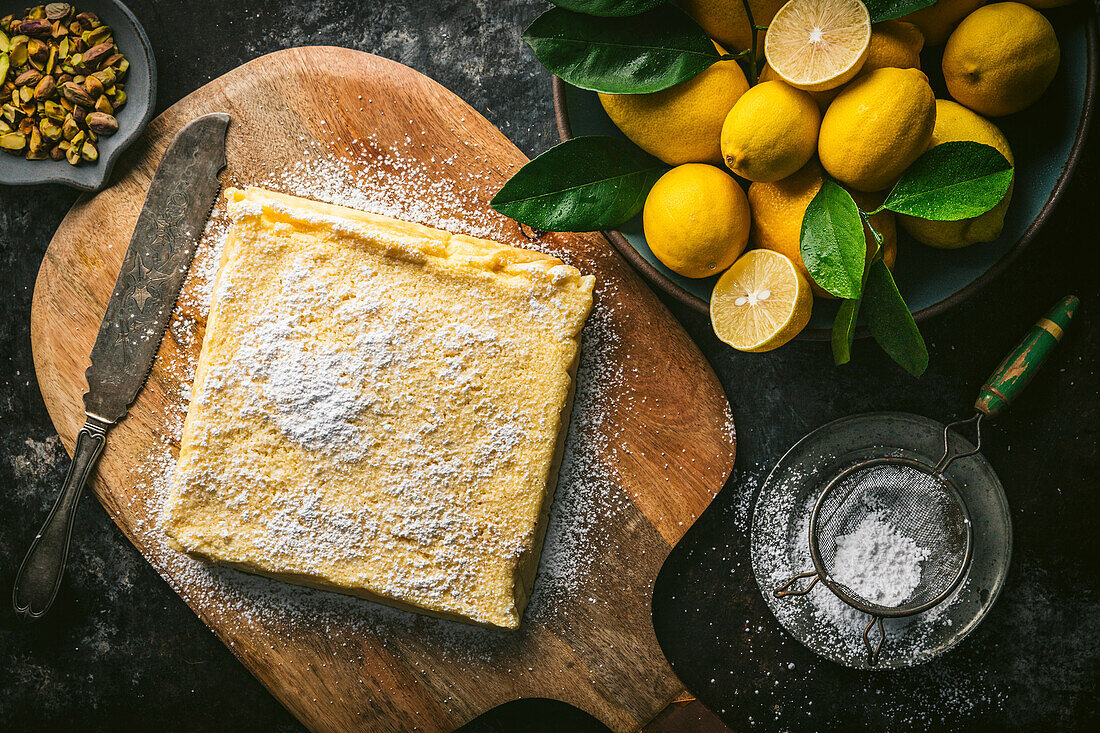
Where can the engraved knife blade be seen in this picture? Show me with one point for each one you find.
(171, 222)
(180, 197)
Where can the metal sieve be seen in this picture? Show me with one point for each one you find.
(917, 498)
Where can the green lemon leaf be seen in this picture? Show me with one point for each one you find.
(608, 8)
(633, 55)
(832, 242)
(844, 330)
(886, 9)
(890, 321)
(952, 181)
(581, 185)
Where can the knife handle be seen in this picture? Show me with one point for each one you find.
(40, 574)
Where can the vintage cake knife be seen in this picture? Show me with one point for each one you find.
(181, 195)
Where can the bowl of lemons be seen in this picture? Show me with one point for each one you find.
(845, 102)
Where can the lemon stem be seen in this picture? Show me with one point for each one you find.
(752, 50)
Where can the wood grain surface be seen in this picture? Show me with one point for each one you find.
(671, 451)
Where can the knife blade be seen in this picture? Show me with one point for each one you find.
(177, 205)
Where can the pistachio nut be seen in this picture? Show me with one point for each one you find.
(97, 36)
(95, 55)
(106, 77)
(54, 111)
(56, 153)
(37, 51)
(89, 20)
(103, 104)
(50, 130)
(101, 123)
(13, 141)
(58, 11)
(76, 94)
(30, 76)
(45, 88)
(5, 64)
(73, 155)
(69, 128)
(37, 27)
(93, 86)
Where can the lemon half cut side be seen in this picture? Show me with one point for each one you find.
(818, 44)
(761, 302)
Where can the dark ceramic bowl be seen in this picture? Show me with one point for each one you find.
(141, 92)
(1046, 140)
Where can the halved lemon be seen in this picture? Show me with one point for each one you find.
(818, 44)
(761, 302)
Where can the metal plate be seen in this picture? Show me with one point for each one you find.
(780, 545)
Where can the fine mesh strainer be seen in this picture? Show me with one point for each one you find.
(917, 500)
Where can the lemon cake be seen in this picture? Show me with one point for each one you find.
(379, 408)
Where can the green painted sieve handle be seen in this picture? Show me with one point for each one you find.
(1022, 363)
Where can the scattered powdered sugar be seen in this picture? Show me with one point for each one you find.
(877, 562)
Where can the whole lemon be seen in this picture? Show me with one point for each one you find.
(778, 208)
(726, 22)
(955, 122)
(1000, 59)
(696, 220)
(876, 127)
(894, 44)
(681, 124)
(823, 99)
(771, 132)
(937, 21)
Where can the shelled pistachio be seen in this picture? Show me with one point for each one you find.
(62, 82)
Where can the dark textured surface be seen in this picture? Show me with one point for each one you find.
(121, 651)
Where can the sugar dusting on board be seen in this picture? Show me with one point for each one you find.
(588, 500)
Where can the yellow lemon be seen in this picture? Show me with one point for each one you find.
(876, 127)
(894, 44)
(821, 98)
(778, 208)
(696, 220)
(818, 44)
(1000, 59)
(726, 22)
(681, 124)
(937, 21)
(771, 132)
(955, 122)
(761, 302)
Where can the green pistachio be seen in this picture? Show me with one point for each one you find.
(13, 141)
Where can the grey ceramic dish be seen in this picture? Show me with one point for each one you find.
(141, 92)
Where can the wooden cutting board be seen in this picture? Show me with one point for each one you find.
(665, 432)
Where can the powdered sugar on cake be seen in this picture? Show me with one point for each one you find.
(587, 493)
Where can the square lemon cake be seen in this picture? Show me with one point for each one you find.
(379, 408)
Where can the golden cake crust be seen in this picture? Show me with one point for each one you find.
(379, 408)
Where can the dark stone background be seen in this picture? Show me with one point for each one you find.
(120, 651)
